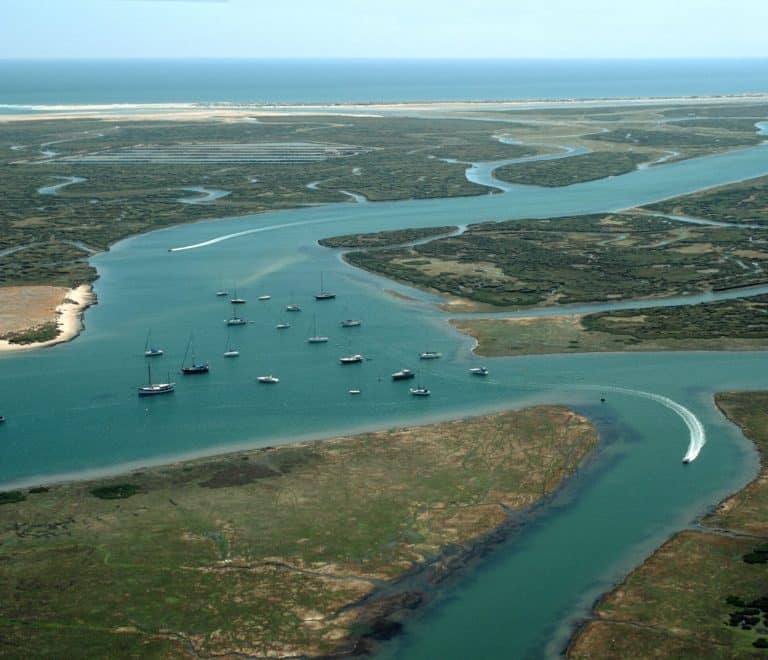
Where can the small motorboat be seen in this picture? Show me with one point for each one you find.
(283, 326)
(268, 380)
(351, 359)
(231, 353)
(292, 308)
(265, 297)
(222, 293)
(430, 355)
(420, 391)
(478, 371)
(355, 391)
(403, 374)
(350, 323)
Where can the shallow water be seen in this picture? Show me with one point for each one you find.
(73, 409)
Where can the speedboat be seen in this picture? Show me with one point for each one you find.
(292, 308)
(2, 417)
(478, 371)
(350, 323)
(351, 359)
(420, 391)
(283, 326)
(232, 353)
(430, 355)
(268, 380)
(355, 391)
(403, 374)
(264, 297)
(222, 293)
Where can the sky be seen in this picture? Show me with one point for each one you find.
(53, 29)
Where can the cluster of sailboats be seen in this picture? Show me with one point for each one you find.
(195, 367)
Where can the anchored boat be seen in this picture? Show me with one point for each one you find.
(151, 388)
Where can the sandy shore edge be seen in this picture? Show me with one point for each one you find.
(69, 319)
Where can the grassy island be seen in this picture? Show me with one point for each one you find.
(590, 258)
(704, 593)
(277, 552)
(729, 325)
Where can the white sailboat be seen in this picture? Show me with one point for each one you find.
(316, 338)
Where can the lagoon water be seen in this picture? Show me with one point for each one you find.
(73, 409)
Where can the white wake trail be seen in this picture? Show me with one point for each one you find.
(257, 230)
(698, 437)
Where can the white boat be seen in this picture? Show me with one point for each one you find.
(265, 297)
(350, 323)
(230, 352)
(235, 300)
(355, 391)
(420, 391)
(268, 380)
(283, 326)
(151, 388)
(316, 338)
(430, 355)
(222, 293)
(403, 374)
(149, 349)
(478, 371)
(235, 319)
(292, 308)
(351, 359)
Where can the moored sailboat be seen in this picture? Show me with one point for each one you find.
(149, 349)
(323, 295)
(316, 338)
(151, 388)
(196, 367)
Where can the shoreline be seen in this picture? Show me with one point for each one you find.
(704, 525)
(177, 110)
(70, 320)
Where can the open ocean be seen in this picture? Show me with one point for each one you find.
(75, 82)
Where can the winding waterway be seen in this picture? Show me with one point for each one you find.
(83, 416)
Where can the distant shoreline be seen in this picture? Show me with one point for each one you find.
(204, 110)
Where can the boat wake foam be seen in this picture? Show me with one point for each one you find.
(698, 437)
(257, 230)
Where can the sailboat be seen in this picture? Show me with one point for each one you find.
(316, 338)
(149, 349)
(235, 300)
(155, 388)
(230, 352)
(235, 319)
(195, 367)
(323, 295)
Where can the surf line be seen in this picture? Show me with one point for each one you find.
(257, 230)
(695, 428)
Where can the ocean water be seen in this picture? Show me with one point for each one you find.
(40, 82)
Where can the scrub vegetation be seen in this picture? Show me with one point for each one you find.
(699, 595)
(601, 257)
(729, 325)
(278, 552)
(745, 202)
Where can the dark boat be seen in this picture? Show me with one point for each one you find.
(403, 374)
(237, 301)
(195, 367)
(235, 319)
(151, 389)
(323, 295)
(2, 419)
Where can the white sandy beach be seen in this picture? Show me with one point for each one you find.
(68, 314)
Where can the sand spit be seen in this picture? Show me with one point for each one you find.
(25, 307)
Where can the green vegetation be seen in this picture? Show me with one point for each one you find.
(730, 325)
(44, 237)
(696, 597)
(115, 491)
(576, 259)
(40, 333)
(671, 138)
(271, 552)
(385, 238)
(12, 497)
(574, 169)
(743, 202)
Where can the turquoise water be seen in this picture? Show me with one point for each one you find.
(73, 409)
(368, 81)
